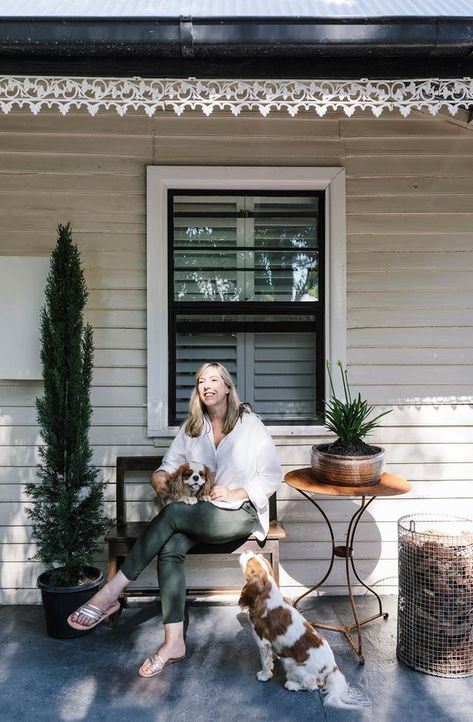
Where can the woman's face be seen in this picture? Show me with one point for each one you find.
(212, 390)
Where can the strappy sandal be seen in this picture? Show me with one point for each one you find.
(157, 664)
(92, 612)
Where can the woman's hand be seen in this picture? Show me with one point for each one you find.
(223, 493)
(159, 482)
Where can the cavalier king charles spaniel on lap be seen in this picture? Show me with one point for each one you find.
(281, 631)
(190, 483)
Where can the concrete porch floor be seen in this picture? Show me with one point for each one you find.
(93, 678)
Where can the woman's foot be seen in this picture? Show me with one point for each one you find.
(166, 654)
(103, 601)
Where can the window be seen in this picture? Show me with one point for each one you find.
(246, 287)
(247, 266)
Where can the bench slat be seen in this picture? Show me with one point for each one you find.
(132, 530)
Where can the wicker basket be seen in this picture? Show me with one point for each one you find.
(435, 613)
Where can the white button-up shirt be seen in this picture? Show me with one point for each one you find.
(245, 458)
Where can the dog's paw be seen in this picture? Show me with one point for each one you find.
(190, 500)
(311, 684)
(205, 497)
(264, 676)
(292, 686)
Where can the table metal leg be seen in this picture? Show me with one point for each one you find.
(346, 552)
(316, 586)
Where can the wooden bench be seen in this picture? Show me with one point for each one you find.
(121, 537)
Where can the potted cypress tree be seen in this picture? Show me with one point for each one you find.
(67, 515)
(348, 461)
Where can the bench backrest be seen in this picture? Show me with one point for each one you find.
(150, 464)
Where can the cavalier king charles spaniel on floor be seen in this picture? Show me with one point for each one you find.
(281, 631)
(190, 483)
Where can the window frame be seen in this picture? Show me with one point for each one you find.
(240, 308)
(161, 179)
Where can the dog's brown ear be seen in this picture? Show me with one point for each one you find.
(269, 568)
(209, 482)
(253, 588)
(209, 475)
(162, 491)
(161, 498)
(175, 482)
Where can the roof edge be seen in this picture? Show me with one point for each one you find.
(244, 37)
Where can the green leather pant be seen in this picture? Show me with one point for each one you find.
(171, 534)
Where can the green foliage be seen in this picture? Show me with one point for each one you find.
(349, 418)
(67, 515)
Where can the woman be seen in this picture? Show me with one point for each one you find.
(222, 433)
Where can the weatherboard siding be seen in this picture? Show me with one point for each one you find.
(410, 302)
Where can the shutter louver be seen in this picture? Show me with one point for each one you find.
(192, 351)
(284, 376)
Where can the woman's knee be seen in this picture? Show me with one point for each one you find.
(175, 549)
(171, 556)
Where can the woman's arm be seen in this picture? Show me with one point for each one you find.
(223, 493)
(172, 459)
(159, 481)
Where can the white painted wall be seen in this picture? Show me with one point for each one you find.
(410, 279)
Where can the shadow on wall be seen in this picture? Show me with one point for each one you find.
(19, 441)
(306, 553)
(431, 447)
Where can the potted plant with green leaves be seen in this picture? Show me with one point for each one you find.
(349, 460)
(67, 513)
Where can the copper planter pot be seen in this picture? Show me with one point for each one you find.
(346, 470)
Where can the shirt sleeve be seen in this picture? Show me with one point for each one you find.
(268, 476)
(176, 454)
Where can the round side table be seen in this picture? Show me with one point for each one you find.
(306, 484)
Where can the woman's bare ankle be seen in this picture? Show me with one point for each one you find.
(105, 598)
(175, 648)
(101, 600)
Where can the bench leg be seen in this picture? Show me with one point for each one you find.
(112, 570)
(112, 567)
(275, 562)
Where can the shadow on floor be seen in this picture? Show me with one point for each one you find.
(94, 678)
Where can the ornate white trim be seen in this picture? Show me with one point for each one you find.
(154, 94)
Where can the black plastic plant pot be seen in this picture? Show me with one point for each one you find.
(59, 602)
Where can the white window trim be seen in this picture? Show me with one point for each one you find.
(160, 179)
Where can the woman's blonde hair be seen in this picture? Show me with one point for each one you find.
(196, 415)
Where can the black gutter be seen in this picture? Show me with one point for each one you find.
(237, 37)
(232, 46)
